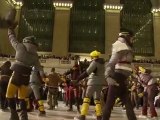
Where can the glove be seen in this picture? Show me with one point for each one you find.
(13, 25)
(10, 17)
(111, 81)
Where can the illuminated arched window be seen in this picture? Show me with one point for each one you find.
(137, 16)
(36, 19)
(87, 26)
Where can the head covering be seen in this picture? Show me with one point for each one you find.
(30, 39)
(53, 69)
(95, 53)
(142, 70)
(125, 32)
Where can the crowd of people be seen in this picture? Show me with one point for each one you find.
(23, 81)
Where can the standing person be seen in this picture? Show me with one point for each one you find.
(5, 74)
(150, 91)
(96, 81)
(26, 56)
(134, 95)
(73, 93)
(117, 72)
(36, 84)
(53, 81)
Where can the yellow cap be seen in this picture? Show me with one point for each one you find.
(95, 53)
(142, 70)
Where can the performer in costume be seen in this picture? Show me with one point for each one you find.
(73, 91)
(53, 81)
(117, 72)
(96, 81)
(26, 56)
(35, 86)
(150, 91)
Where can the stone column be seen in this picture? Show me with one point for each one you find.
(112, 28)
(156, 26)
(61, 31)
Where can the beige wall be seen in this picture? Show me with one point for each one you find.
(61, 32)
(5, 46)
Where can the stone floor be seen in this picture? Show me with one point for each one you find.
(62, 114)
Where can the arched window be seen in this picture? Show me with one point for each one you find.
(36, 18)
(87, 26)
(137, 16)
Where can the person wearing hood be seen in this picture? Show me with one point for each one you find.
(96, 81)
(73, 93)
(36, 83)
(117, 72)
(26, 56)
(149, 84)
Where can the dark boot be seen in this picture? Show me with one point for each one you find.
(42, 113)
(12, 105)
(23, 115)
(41, 108)
(14, 115)
(82, 117)
(99, 117)
(70, 107)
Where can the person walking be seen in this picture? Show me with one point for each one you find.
(117, 71)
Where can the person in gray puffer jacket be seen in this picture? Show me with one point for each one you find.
(35, 86)
(26, 57)
(96, 80)
(117, 71)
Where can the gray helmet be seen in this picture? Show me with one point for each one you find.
(125, 32)
(34, 69)
(30, 39)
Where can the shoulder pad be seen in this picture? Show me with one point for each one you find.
(119, 46)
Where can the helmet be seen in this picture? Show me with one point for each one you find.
(126, 32)
(142, 70)
(53, 69)
(35, 69)
(30, 39)
(95, 53)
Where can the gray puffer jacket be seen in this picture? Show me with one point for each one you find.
(96, 72)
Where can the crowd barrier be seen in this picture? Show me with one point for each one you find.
(63, 65)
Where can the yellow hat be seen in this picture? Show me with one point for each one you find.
(95, 53)
(142, 70)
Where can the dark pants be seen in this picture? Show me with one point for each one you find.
(134, 99)
(122, 92)
(148, 98)
(3, 88)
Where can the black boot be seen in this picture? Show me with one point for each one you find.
(81, 117)
(99, 117)
(23, 115)
(12, 105)
(42, 113)
(70, 106)
(14, 115)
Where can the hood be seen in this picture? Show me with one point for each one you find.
(31, 48)
(100, 60)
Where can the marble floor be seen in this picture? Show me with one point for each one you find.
(61, 114)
